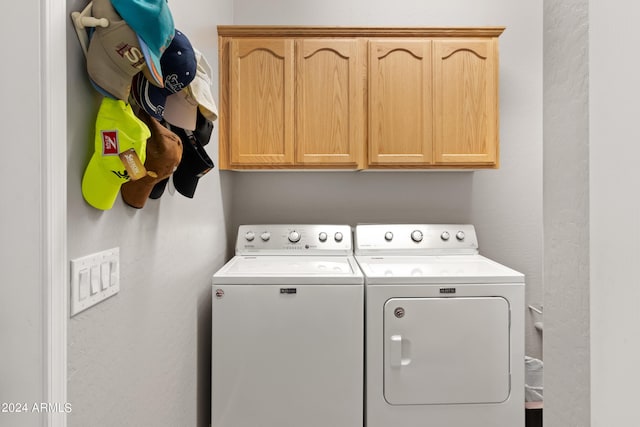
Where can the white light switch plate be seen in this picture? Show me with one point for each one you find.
(94, 278)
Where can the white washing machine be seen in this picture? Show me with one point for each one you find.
(288, 330)
(444, 329)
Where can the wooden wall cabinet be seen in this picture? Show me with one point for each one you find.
(355, 98)
(292, 103)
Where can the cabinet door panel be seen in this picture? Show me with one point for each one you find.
(329, 102)
(400, 107)
(466, 101)
(261, 100)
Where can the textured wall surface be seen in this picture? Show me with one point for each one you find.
(505, 205)
(615, 212)
(142, 357)
(566, 214)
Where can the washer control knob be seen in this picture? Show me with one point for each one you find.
(249, 236)
(445, 236)
(294, 237)
(388, 236)
(338, 236)
(322, 236)
(265, 236)
(460, 235)
(416, 236)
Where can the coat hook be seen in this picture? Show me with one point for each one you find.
(83, 20)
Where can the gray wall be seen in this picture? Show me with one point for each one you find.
(566, 213)
(505, 204)
(615, 212)
(142, 357)
(21, 218)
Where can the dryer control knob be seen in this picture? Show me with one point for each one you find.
(460, 235)
(322, 236)
(388, 236)
(338, 236)
(265, 236)
(416, 236)
(445, 236)
(294, 237)
(250, 236)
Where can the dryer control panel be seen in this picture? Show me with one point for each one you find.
(294, 239)
(415, 239)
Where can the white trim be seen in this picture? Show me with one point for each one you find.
(54, 158)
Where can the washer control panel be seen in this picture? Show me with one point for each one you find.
(416, 239)
(294, 239)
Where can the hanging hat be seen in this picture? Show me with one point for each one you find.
(119, 153)
(181, 108)
(187, 181)
(152, 21)
(114, 55)
(164, 151)
(194, 165)
(178, 65)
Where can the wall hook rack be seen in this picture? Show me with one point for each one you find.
(82, 21)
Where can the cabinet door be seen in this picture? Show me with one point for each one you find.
(330, 102)
(466, 101)
(261, 100)
(400, 106)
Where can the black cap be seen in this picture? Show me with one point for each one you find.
(158, 189)
(204, 129)
(195, 161)
(194, 165)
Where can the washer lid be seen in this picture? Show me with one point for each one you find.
(435, 269)
(251, 270)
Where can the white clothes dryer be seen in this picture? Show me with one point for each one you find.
(288, 330)
(444, 329)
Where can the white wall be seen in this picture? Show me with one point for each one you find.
(566, 213)
(615, 212)
(21, 218)
(142, 358)
(505, 204)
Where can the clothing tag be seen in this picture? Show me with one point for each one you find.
(132, 163)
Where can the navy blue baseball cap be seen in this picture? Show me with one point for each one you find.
(178, 64)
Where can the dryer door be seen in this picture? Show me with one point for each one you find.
(446, 350)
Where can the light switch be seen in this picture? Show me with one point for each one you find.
(105, 275)
(115, 276)
(94, 278)
(83, 284)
